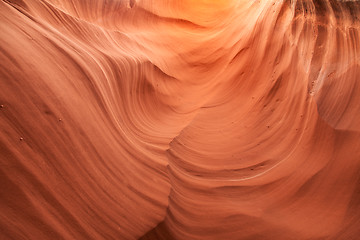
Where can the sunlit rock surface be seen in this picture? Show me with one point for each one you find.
(166, 119)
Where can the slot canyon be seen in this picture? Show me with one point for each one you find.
(180, 119)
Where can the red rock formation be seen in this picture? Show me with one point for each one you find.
(183, 119)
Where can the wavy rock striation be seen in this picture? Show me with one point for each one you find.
(210, 119)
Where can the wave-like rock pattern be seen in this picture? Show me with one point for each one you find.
(183, 119)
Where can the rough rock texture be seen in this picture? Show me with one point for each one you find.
(189, 119)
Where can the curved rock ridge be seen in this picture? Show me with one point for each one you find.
(212, 119)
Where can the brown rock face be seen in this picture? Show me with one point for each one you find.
(188, 120)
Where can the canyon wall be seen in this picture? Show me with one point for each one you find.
(189, 120)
